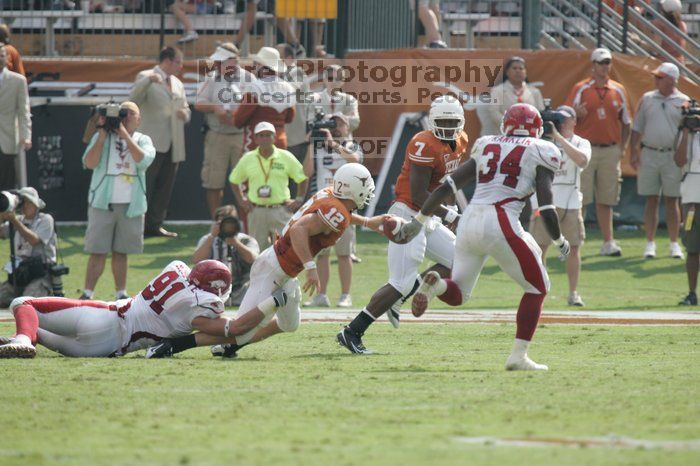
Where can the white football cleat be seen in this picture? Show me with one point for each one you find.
(650, 250)
(523, 363)
(426, 292)
(17, 349)
(675, 251)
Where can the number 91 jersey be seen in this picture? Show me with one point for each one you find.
(166, 307)
(506, 167)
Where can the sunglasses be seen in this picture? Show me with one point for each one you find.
(607, 61)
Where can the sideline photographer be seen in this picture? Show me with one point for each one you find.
(687, 157)
(34, 247)
(332, 147)
(566, 188)
(225, 243)
(117, 196)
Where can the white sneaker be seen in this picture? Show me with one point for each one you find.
(426, 292)
(650, 250)
(676, 251)
(345, 301)
(523, 363)
(575, 299)
(17, 349)
(610, 248)
(320, 300)
(188, 37)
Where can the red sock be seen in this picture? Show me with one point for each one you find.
(528, 315)
(453, 295)
(27, 321)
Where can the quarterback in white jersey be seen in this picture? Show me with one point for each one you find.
(174, 304)
(507, 169)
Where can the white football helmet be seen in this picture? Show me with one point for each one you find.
(446, 117)
(353, 181)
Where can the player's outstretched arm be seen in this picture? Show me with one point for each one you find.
(543, 188)
(461, 177)
(373, 223)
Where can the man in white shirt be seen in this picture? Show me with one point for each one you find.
(687, 157)
(566, 188)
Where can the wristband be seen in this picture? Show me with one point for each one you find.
(309, 265)
(365, 222)
(451, 216)
(559, 241)
(421, 218)
(546, 207)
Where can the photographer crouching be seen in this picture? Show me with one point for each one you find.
(34, 245)
(687, 157)
(118, 156)
(225, 243)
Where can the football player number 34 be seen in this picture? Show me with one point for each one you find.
(509, 167)
(162, 288)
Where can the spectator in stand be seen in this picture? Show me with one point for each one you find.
(226, 243)
(602, 109)
(15, 121)
(164, 110)
(270, 99)
(267, 171)
(117, 198)
(297, 140)
(654, 133)
(671, 10)
(181, 8)
(332, 100)
(566, 190)
(284, 25)
(687, 156)
(218, 98)
(14, 60)
(429, 15)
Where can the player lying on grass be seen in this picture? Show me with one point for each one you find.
(508, 169)
(175, 303)
(430, 155)
(318, 224)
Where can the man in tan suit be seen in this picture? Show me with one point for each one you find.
(164, 111)
(15, 121)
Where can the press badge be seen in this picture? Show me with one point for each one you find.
(601, 113)
(264, 191)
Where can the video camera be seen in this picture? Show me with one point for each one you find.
(113, 114)
(320, 122)
(229, 227)
(691, 116)
(550, 119)
(10, 201)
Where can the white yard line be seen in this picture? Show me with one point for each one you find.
(582, 442)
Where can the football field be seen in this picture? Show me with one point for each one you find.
(623, 387)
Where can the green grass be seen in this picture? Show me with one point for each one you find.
(300, 399)
(629, 282)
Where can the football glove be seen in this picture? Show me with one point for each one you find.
(564, 248)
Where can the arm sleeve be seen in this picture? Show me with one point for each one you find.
(639, 121)
(295, 170)
(548, 155)
(418, 153)
(23, 112)
(251, 244)
(238, 174)
(353, 113)
(625, 114)
(138, 91)
(245, 111)
(93, 139)
(572, 94)
(45, 228)
(149, 150)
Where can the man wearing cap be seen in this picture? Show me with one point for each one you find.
(566, 189)
(654, 132)
(117, 198)
(161, 97)
(15, 121)
(332, 99)
(270, 99)
(267, 170)
(218, 97)
(35, 237)
(328, 152)
(602, 109)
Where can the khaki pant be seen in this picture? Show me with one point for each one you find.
(221, 154)
(601, 179)
(570, 223)
(266, 222)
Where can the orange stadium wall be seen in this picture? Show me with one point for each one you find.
(559, 70)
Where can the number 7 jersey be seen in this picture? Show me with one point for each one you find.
(506, 167)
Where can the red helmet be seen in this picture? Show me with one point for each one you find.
(212, 276)
(522, 120)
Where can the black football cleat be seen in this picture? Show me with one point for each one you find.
(352, 341)
(225, 351)
(162, 349)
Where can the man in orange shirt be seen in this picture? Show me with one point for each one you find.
(603, 112)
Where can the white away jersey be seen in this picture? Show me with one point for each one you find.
(165, 309)
(506, 167)
(327, 163)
